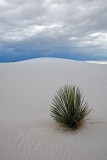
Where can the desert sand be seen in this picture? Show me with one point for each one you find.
(27, 132)
(98, 62)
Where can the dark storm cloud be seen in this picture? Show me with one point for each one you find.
(49, 26)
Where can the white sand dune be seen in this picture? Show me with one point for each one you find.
(98, 62)
(27, 132)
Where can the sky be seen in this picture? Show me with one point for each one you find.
(75, 29)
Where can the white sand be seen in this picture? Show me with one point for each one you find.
(98, 62)
(27, 132)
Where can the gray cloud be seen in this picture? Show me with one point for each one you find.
(49, 26)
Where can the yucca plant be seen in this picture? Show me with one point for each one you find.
(68, 107)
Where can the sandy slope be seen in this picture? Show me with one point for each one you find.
(27, 132)
(98, 62)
